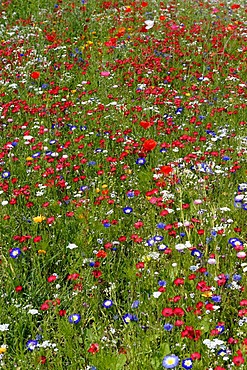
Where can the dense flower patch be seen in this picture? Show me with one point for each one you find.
(123, 185)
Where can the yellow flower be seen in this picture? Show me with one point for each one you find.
(104, 186)
(207, 294)
(38, 219)
(29, 159)
(3, 350)
(41, 251)
(146, 258)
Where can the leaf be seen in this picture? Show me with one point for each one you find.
(165, 349)
(121, 360)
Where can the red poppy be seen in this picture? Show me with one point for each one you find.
(145, 124)
(166, 170)
(18, 288)
(149, 145)
(94, 348)
(35, 75)
(167, 312)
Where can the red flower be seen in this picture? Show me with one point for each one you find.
(62, 313)
(35, 75)
(45, 306)
(37, 239)
(94, 348)
(178, 311)
(235, 6)
(243, 302)
(166, 170)
(238, 360)
(51, 278)
(195, 356)
(101, 254)
(179, 281)
(145, 124)
(96, 273)
(73, 276)
(42, 359)
(18, 288)
(149, 145)
(167, 312)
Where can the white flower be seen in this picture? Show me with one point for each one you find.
(72, 246)
(33, 312)
(156, 294)
(154, 255)
(4, 327)
(149, 24)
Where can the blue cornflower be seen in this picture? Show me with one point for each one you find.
(31, 344)
(162, 283)
(216, 298)
(107, 303)
(36, 155)
(98, 150)
(53, 142)
(130, 194)
(91, 163)
(168, 327)
(237, 277)
(160, 225)
(5, 174)
(75, 318)
(187, 363)
(15, 252)
(107, 224)
(135, 304)
(170, 361)
(244, 206)
(84, 188)
(141, 161)
(127, 210)
(196, 253)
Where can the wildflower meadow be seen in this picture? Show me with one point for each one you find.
(123, 188)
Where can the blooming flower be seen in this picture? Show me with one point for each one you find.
(107, 303)
(127, 210)
(71, 246)
(75, 318)
(187, 363)
(5, 174)
(38, 219)
(15, 252)
(170, 361)
(31, 344)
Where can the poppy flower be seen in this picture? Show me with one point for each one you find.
(149, 145)
(94, 348)
(35, 75)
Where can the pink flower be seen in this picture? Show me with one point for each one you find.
(105, 73)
